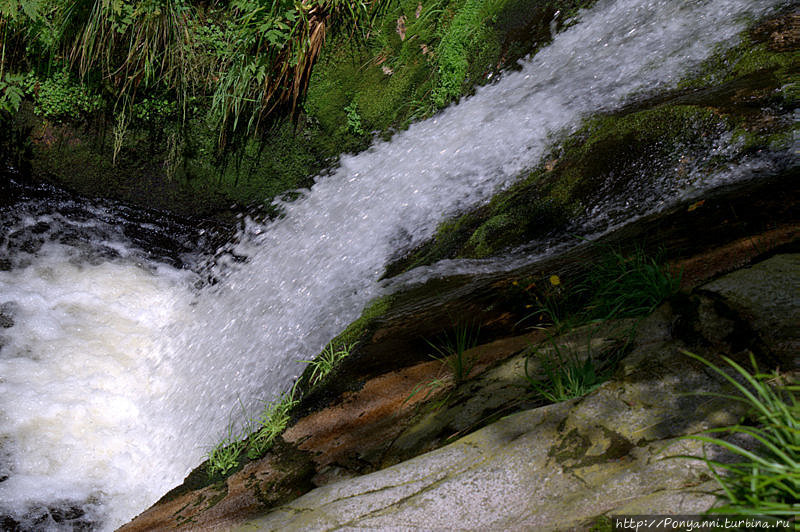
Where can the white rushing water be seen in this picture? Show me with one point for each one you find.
(117, 376)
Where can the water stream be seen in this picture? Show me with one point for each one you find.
(118, 374)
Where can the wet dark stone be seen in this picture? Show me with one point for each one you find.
(9, 524)
(24, 241)
(67, 513)
(7, 311)
(66, 517)
(40, 228)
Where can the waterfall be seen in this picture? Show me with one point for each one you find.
(117, 375)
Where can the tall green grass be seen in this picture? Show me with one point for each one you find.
(623, 286)
(450, 349)
(762, 478)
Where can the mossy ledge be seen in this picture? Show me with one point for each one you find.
(747, 94)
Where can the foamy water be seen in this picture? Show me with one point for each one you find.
(118, 376)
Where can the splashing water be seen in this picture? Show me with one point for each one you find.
(118, 376)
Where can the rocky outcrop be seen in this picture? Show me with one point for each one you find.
(563, 465)
(508, 462)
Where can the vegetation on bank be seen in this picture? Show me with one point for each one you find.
(195, 105)
(763, 478)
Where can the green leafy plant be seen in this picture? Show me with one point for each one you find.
(766, 478)
(59, 97)
(548, 301)
(11, 92)
(327, 360)
(451, 347)
(353, 119)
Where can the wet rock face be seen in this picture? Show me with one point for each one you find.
(781, 33)
(7, 311)
(66, 516)
(560, 466)
(96, 232)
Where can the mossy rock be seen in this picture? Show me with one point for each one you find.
(744, 97)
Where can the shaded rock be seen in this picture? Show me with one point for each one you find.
(741, 223)
(766, 296)
(7, 311)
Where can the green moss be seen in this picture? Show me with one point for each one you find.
(466, 44)
(356, 330)
(618, 146)
(602, 524)
(521, 215)
(747, 58)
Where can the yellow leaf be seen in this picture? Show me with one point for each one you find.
(695, 205)
(554, 280)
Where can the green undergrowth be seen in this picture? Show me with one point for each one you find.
(412, 59)
(763, 477)
(615, 287)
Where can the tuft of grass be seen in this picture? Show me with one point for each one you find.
(327, 360)
(262, 431)
(225, 455)
(429, 387)
(451, 346)
(625, 286)
(272, 422)
(572, 371)
(616, 286)
(766, 479)
(567, 375)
